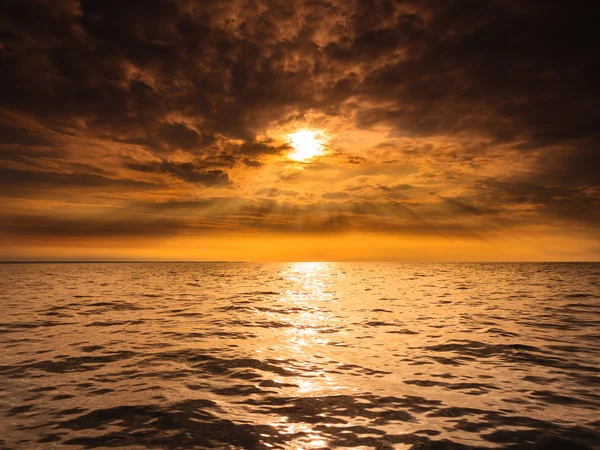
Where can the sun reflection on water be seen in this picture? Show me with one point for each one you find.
(308, 299)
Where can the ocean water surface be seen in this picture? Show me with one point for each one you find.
(300, 355)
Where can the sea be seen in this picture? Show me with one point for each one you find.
(300, 356)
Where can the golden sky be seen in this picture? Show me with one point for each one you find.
(305, 130)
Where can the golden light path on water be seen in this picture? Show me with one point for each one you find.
(311, 285)
(313, 309)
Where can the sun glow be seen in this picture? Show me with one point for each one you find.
(307, 144)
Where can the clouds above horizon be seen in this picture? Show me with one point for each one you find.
(452, 117)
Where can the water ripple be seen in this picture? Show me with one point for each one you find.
(306, 355)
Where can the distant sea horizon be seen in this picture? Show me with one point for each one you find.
(199, 261)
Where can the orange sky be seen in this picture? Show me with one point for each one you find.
(162, 131)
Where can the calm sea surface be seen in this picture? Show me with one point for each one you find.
(300, 355)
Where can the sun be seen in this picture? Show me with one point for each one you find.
(307, 144)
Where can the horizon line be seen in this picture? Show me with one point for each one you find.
(167, 261)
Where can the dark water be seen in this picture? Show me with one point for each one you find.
(327, 355)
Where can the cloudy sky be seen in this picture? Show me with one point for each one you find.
(163, 129)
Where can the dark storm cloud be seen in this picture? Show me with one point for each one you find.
(185, 171)
(194, 205)
(133, 64)
(560, 202)
(178, 217)
(53, 227)
(207, 78)
(30, 156)
(178, 135)
(385, 217)
(257, 148)
(15, 135)
(251, 162)
(28, 179)
(507, 72)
